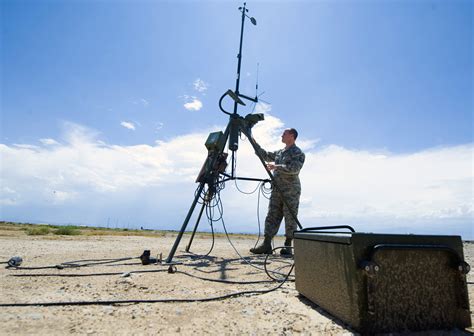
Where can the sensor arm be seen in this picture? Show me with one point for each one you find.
(255, 100)
(236, 99)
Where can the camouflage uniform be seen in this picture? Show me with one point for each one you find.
(288, 182)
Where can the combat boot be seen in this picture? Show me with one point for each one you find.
(264, 248)
(287, 251)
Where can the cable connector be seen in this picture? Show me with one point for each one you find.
(15, 261)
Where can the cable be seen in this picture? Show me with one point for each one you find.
(75, 275)
(242, 258)
(268, 272)
(258, 214)
(210, 198)
(259, 187)
(75, 264)
(111, 302)
(213, 236)
(246, 192)
(79, 275)
(93, 262)
(220, 208)
(266, 190)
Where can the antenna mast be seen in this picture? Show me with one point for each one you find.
(234, 131)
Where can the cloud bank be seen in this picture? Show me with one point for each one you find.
(81, 179)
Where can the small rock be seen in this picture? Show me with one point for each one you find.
(35, 316)
(298, 326)
(248, 311)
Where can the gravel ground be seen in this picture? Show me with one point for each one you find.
(279, 312)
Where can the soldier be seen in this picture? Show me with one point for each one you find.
(286, 166)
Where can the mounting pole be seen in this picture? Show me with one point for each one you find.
(234, 132)
(239, 56)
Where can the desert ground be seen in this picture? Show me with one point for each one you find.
(279, 312)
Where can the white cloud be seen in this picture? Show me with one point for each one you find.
(200, 85)
(78, 135)
(195, 105)
(142, 101)
(128, 125)
(25, 146)
(8, 196)
(49, 142)
(263, 108)
(83, 179)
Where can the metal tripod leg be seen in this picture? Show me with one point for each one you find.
(196, 226)
(185, 223)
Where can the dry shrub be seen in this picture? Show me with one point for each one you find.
(67, 231)
(37, 231)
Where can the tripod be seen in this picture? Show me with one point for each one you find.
(215, 164)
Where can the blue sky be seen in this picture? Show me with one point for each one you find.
(105, 107)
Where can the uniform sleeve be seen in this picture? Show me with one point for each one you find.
(267, 156)
(293, 163)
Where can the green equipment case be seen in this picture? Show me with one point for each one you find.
(379, 283)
